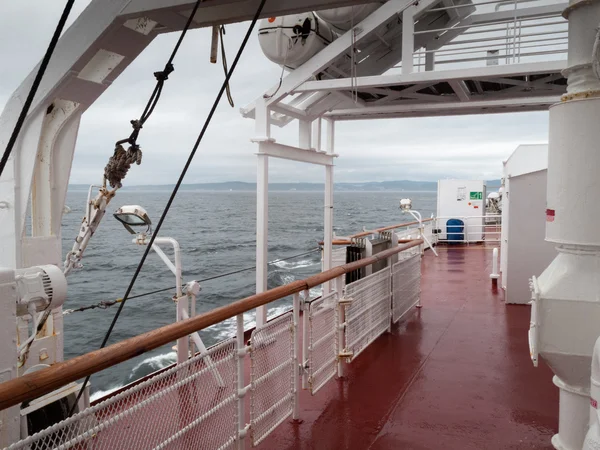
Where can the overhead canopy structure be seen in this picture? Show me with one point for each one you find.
(467, 58)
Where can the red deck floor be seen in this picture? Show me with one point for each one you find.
(454, 375)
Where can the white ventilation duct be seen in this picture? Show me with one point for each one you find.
(592, 439)
(566, 310)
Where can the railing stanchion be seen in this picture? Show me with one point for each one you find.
(305, 336)
(390, 263)
(241, 348)
(297, 357)
(339, 283)
(183, 348)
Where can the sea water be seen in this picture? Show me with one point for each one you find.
(217, 234)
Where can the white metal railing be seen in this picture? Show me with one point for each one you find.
(321, 341)
(474, 228)
(272, 374)
(367, 311)
(406, 286)
(532, 33)
(203, 402)
(182, 407)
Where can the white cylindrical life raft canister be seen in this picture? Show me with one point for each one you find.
(342, 19)
(292, 40)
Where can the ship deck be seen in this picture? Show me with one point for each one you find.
(455, 374)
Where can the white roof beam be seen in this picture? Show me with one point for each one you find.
(446, 109)
(295, 154)
(477, 73)
(461, 90)
(337, 48)
(520, 13)
(227, 11)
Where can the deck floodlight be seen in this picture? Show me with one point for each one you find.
(133, 216)
(406, 204)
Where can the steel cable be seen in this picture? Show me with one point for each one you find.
(35, 85)
(177, 186)
(107, 304)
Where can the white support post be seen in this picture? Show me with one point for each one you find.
(297, 357)
(262, 137)
(408, 39)
(429, 60)
(241, 348)
(262, 122)
(328, 207)
(305, 134)
(262, 233)
(316, 136)
(368, 252)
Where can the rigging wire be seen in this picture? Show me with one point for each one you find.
(178, 184)
(35, 85)
(107, 304)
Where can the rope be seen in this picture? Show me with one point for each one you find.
(224, 60)
(119, 164)
(35, 85)
(179, 181)
(109, 303)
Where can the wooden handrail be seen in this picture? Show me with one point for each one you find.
(348, 242)
(391, 227)
(36, 384)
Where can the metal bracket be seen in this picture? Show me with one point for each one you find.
(345, 301)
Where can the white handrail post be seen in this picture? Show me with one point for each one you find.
(297, 356)
(192, 298)
(341, 324)
(241, 354)
(390, 263)
(183, 346)
(417, 216)
(305, 336)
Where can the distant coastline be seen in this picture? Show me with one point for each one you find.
(372, 186)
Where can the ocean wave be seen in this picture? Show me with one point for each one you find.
(290, 265)
(101, 393)
(151, 365)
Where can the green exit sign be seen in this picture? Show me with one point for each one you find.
(476, 196)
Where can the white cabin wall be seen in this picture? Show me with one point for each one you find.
(528, 252)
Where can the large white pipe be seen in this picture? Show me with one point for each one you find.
(592, 439)
(568, 307)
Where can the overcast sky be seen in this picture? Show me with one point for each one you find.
(394, 149)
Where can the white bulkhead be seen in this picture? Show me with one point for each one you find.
(290, 41)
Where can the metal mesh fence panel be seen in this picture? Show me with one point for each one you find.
(191, 405)
(406, 285)
(338, 256)
(271, 376)
(368, 314)
(323, 343)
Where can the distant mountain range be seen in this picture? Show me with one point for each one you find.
(401, 185)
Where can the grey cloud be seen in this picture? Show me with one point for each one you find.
(417, 149)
